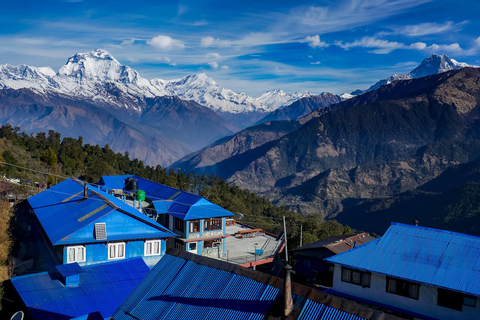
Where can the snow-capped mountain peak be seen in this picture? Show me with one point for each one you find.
(435, 64)
(431, 65)
(277, 98)
(99, 76)
(97, 65)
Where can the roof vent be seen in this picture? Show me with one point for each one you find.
(101, 231)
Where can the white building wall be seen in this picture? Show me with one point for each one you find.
(425, 305)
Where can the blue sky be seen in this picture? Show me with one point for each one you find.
(249, 46)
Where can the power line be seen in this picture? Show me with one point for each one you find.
(42, 172)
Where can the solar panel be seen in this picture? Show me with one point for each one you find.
(101, 231)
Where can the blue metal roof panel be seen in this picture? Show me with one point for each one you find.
(63, 213)
(114, 182)
(162, 206)
(184, 205)
(431, 256)
(317, 311)
(69, 269)
(102, 288)
(181, 289)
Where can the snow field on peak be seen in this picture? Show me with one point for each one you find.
(92, 74)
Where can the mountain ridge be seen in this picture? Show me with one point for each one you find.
(382, 126)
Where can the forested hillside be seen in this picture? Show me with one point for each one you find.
(48, 159)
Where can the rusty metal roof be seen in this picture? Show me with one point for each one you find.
(338, 244)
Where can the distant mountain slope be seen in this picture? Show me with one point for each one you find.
(386, 93)
(239, 143)
(153, 136)
(453, 207)
(302, 107)
(389, 124)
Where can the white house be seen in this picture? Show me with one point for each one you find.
(424, 272)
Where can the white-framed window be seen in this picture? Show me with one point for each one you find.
(116, 250)
(152, 247)
(76, 254)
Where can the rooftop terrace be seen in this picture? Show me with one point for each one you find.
(242, 251)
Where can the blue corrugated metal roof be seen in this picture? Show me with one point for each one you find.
(103, 287)
(435, 257)
(317, 311)
(183, 205)
(178, 288)
(65, 215)
(69, 269)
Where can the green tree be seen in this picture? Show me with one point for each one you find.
(49, 157)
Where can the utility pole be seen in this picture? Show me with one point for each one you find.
(285, 233)
(301, 234)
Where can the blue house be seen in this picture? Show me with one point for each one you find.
(85, 225)
(72, 291)
(199, 223)
(424, 272)
(188, 286)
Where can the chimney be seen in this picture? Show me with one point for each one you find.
(288, 291)
(84, 190)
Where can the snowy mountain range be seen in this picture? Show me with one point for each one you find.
(431, 65)
(87, 75)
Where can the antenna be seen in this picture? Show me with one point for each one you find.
(285, 232)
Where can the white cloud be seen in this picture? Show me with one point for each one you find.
(454, 47)
(310, 57)
(315, 42)
(427, 28)
(206, 42)
(165, 43)
(128, 42)
(213, 55)
(477, 42)
(343, 15)
(213, 64)
(163, 59)
(249, 40)
(315, 63)
(225, 67)
(380, 46)
(200, 23)
(418, 45)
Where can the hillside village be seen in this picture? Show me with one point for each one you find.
(240, 160)
(130, 248)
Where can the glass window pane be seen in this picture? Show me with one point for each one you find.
(391, 285)
(156, 247)
(346, 275)
(121, 250)
(80, 254)
(413, 290)
(366, 278)
(356, 277)
(149, 247)
(111, 248)
(71, 255)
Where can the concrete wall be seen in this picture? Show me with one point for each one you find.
(425, 305)
(216, 252)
